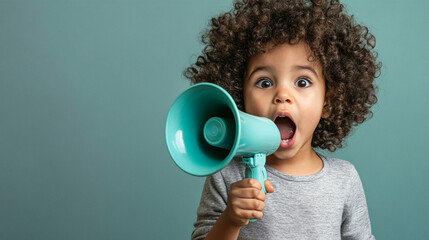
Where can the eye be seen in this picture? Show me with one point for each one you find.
(303, 83)
(264, 83)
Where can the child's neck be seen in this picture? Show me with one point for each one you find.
(302, 164)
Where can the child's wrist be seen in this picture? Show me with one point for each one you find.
(224, 228)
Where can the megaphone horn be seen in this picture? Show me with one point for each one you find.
(205, 130)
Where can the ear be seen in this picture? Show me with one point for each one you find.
(326, 111)
(327, 106)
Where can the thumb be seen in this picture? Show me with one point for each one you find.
(269, 186)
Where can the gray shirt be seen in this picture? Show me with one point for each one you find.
(330, 204)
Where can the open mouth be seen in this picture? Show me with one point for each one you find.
(286, 126)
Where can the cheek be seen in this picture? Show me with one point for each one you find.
(311, 115)
(255, 105)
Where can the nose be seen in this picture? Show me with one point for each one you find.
(282, 96)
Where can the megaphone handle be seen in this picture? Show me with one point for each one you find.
(255, 168)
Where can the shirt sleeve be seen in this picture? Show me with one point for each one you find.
(212, 204)
(356, 223)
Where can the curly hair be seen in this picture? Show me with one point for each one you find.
(344, 49)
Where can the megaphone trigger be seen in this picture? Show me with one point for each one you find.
(255, 168)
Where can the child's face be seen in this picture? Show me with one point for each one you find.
(282, 82)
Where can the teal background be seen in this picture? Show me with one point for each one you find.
(85, 87)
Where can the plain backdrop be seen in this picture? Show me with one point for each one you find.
(85, 87)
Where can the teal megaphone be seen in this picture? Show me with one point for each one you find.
(205, 130)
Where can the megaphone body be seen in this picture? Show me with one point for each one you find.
(205, 131)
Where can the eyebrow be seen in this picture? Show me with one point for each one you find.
(306, 67)
(299, 67)
(262, 68)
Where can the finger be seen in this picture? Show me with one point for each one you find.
(248, 183)
(269, 186)
(248, 204)
(248, 214)
(248, 193)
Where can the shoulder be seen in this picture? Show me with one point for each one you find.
(345, 175)
(342, 170)
(341, 166)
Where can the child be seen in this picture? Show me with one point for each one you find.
(310, 68)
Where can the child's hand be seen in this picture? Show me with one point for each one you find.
(246, 201)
